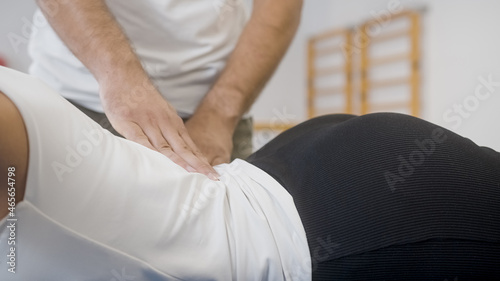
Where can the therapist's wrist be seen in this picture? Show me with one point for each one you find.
(221, 106)
(213, 116)
(112, 70)
(122, 94)
(129, 79)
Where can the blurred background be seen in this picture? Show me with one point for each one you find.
(438, 60)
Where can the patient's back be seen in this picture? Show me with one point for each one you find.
(102, 207)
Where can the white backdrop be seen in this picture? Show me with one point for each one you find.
(460, 44)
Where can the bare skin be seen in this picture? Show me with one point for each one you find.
(95, 37)
(133, 105)
(260, 48)
(14, 152)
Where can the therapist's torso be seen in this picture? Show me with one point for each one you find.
(182, 44)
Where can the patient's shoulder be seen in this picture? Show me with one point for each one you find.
(13, 153)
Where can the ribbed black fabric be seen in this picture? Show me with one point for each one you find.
(431, 260)
(388, 190)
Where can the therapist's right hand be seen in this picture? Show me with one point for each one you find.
(138, 112)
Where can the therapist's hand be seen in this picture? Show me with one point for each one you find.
(212, 135)
(138, 112)
(133, 105)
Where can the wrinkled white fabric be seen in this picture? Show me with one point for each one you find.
(99, 207)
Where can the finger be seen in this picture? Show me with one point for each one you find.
(136, 134)
(182, 149)
(189, 141)
(133, 132)
(161, 145)
(201, 164)
(191, 145)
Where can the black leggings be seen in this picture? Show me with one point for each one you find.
(388, 196)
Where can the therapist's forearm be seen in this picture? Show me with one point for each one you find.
(261, 46)
(134, 107)
(95, 38)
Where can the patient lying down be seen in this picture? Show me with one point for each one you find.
(339, 197)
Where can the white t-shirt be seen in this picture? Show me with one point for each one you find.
(99, 207)
(182, 44)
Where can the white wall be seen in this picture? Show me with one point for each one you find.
(460, 43)
(15, 24)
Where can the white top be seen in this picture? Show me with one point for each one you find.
(99, 207)
(183, 45)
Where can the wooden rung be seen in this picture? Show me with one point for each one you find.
(389, 59)
(388, 83)
(328, 70)
(387, 106)
(260, 126)
(329, 91)
(329, 34)
(325, 51)
(390, 36)
(402, 14)
(405, 13)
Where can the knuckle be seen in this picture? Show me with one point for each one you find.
(164, 147)
(139, 138)
(183, 148)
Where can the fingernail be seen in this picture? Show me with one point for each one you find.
(190, 169)
(214, 177)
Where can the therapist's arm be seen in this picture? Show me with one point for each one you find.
(133, 105)
(260, 48)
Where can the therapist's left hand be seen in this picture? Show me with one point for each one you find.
(212, 136)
